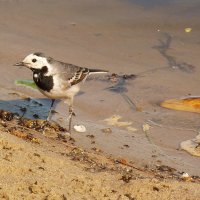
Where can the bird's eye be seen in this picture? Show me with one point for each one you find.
(34, 60)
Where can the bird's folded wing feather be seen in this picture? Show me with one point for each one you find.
(79, 76)
(71, 73)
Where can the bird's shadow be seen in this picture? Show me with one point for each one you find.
(28, 107)
(31, 108)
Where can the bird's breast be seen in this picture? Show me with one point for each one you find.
(54, 87)
(45, 83)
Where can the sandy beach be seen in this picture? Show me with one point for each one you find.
(132, 146)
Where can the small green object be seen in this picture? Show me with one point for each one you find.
(28, 83)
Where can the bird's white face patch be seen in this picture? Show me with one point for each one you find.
(35, 62)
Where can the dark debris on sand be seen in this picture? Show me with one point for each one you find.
(31, 130)
(25, 128)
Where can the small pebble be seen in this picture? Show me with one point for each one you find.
(80, 128)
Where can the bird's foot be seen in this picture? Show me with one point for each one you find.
(48, 118)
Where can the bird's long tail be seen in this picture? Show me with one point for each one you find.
(97, 71)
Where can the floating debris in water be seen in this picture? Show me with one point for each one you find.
(188, 30)
(132, 129)
(146, 127)
(27, 83)
(114, 121)
(191, 104)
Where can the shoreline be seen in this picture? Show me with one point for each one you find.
(55, 168)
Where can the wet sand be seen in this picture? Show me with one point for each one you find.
(124, 37)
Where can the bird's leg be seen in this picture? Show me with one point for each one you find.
(70, 117)
(49, 114)
(71, 113)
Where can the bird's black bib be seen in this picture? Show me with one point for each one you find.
(43, 82)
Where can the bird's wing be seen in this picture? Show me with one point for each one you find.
(79, 75)
(73, 73)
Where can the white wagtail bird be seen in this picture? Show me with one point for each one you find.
(57, 80)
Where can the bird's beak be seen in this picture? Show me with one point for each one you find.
(19, 64)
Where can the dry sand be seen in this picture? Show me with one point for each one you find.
(124, 37)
